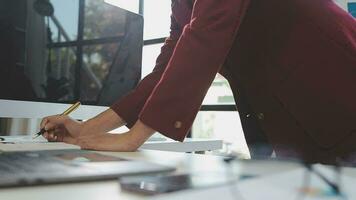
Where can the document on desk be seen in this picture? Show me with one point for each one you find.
(37, 146)
(20, 139)
(286, 185)
(26, 143)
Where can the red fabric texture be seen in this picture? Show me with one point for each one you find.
(296, 59)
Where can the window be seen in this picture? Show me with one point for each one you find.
(157, 18)
(224, 125)
(352, 8)
(86, 38)
(348, 5)
(66, 15)
(130, 5)
(149, 56)
(219, 93)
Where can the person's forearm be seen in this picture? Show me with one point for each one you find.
(139, 134)
(129, 141)
(104, 122)
(132, 140)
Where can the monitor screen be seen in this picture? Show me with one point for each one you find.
(64, 51)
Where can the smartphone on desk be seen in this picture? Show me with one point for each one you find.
(151, 185)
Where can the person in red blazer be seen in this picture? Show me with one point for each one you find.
(293, 61)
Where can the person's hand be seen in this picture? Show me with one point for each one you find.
(61, 128)
(64, 129)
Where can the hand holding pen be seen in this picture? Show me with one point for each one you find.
(65, 113)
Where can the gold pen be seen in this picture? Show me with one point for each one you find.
(66, 112)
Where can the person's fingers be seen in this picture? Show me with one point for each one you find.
(50, 127)
(60, 135)
(43, 122)
(59, 119)
(53, 139)
(54, 121)
(51, 136)
(50, 139)
(47, 119)
(45, 135)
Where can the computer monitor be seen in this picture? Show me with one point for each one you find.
(55, 52)
(64, 51)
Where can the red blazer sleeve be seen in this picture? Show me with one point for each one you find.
(200, 51)
(131, 105)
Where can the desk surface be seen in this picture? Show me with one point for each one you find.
(111, 190)
(189, 145)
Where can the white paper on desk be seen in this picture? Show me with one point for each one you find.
(37, 146)
(23, 139)
(26, 143)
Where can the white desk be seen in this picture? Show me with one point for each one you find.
(189, 145)
(111, 189)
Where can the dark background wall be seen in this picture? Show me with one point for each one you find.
(13, 19)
